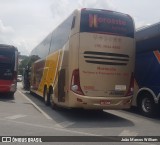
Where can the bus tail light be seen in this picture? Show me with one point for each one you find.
(75, 82)
(131, 86)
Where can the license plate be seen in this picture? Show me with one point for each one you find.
(105, 102)
(120, 87)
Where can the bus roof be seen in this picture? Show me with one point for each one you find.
(107, 10)
(148, 32)
(6, 46)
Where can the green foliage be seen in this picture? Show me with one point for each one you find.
(22, 64)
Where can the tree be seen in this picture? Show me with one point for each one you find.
(22, 64)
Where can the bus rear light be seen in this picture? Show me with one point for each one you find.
(74, 88)
(75, 82)
(131, 86)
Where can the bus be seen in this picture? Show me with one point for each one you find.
(147, 68)
(86, 62)
(8, 69)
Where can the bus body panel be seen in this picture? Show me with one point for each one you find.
(37, 71)
(106, 64)
(88, 102)
(47, 72)
(73, 62)
(147, 66)
(5, 85)
(148, 76)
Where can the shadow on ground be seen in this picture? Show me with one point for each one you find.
(81, 118)
(7, 98)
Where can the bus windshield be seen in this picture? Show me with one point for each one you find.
(6, 64)
(106, 22)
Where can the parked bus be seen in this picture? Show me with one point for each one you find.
(147, 69)
(86, 62)
(8, 69)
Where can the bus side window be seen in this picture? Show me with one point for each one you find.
(73, 22)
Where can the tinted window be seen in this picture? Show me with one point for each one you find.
(61, 34)
(106, 22)
(43, 48)
(7, 61)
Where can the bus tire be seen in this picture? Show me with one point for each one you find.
(11, 94)
(52, 104)
(146, 105)
(46, 97)
(31, 92)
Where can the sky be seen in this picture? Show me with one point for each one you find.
(25, 23)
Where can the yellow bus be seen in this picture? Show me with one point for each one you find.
(86, 62)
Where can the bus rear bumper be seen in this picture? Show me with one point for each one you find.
(6, 89)
(86, 102)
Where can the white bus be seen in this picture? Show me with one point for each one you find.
(86, 62)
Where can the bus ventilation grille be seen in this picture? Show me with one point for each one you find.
(105, 58)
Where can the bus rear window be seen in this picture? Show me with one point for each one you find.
(7, 62)
(6, 57)
(106, 22)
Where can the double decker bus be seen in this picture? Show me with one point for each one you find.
(147, 68)
(86, 62)
(8, 69)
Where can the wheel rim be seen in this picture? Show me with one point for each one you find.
(146, 105)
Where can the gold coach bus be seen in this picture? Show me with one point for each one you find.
(86, 62)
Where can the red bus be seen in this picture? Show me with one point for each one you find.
(8, 69)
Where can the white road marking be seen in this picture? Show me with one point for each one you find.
(15, 116)
(60, 125)
(121, 113)
(128, 133)
(51, 127)
(40, 110)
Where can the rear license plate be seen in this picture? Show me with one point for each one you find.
(105, 102)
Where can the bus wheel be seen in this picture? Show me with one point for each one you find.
(46, 97)
(53, 105)
(11, 94)
(147, 106)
